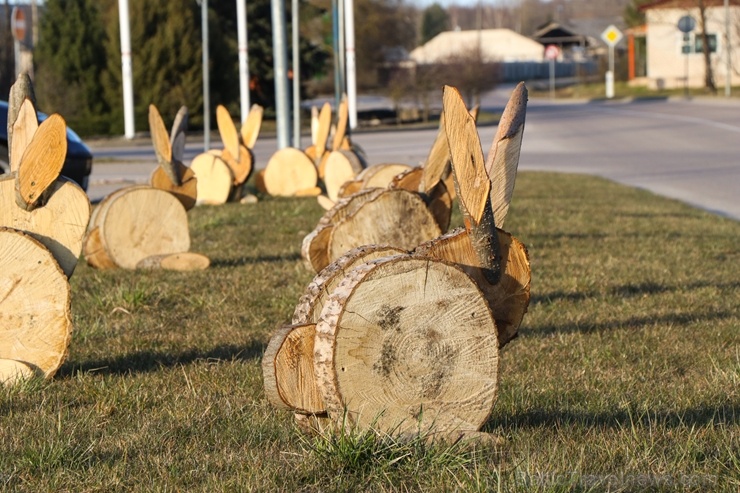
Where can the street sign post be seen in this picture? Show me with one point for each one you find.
(552, 52)
(611, 37)
(18, 28)
(686, 24)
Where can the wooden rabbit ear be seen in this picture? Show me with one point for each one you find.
(437, 160)
(322, 134)
(341, 131)
(314, 124)
(20, 91)
(227, 129)
(503, 157)
(22, 131)
(474, 112)
(41, 162)
(177, 134)
(251, 126)
(162, 146)
(467, 154)
(471, 182)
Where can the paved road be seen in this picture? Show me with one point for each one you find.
(688, 150)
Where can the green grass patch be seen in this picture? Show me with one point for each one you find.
(625, 377)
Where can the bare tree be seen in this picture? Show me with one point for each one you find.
(471, 73)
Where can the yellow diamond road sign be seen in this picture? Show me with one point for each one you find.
(611, 35)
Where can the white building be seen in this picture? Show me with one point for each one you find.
(670, 54)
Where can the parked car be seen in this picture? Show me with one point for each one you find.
(77, 165)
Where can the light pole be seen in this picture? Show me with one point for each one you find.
(206, 81)
(728, 59)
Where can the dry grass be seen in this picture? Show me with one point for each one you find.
(625, 377)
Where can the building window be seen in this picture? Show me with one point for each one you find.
(694, 43)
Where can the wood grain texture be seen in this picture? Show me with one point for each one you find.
(337, 171)
(509, 298)
(13, 372)
(20, 91)
(396, 218)
(25, 126)
(215, 179)
(41, 162)
(142, 222)
(59, 225)
(383, 174)
(503, 157)
(315, 247)
(322, 131)
(241, 165)
(36, 322)
(407, 344)
(438, 159)
(182, 262)
(288, 171)
(341, 131)
(287, 370)
(178, 133)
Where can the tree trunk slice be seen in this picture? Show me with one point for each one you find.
(509, 299)
(322, 132)
(308, 192)
(311, 153)
(314, 424)
(287, 370)
(13, 372)
(214, 179)
(317, 293)
(59, 225)
(349, 205)
(242, 167)
(36, 325)
(143, 222)
(383, 175)
(288, 171)
(449, 182)
(349, 188)
(20, 91)
(41, 162)
(162, 146)
(342, 117)
(408, 180)
(227, 130)
(183, 262)
(439, 202)
(396, 217)
(407, 345)
(315, 247)
(337, 171)
(251, 127)
(94, 251)
(186, 192)
(321, 164)
(22, 130)
(503, 157)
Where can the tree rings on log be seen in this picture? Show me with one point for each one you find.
(509, 298)
(407, 345)
(340, 167)
(142, 222)
(36, 325)
(186, 192)
(288, 171)
(215, 179)
(381, 175)
(13, 372)
(59, 224)
(396, 217)
(287, 370)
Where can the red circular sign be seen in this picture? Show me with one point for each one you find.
(18, 24)
(552, 52)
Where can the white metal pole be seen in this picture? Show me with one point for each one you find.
(296, 75)
(206, 77)
(241, 23)
(728, 59)
(610, 74)
(126, 71)
(349, 46)
(280, 56)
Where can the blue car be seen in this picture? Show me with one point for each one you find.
(77, 165)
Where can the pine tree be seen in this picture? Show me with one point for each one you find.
(69, 60)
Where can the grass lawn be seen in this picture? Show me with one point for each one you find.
(625, 377)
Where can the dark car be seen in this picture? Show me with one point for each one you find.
(77, 165)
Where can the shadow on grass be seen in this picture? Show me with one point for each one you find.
(239, 262)
(148, 361)
(707, 414)
(675, 319)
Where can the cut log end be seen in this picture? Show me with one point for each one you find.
(184, 262)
